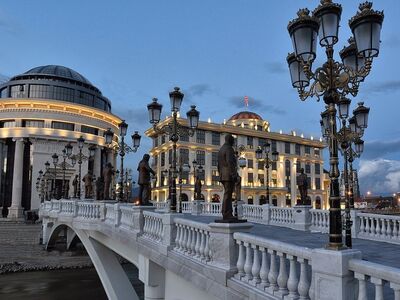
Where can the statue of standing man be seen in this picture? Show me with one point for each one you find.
(228, 176)
(302, 185)
(107, 177)
(144, 180)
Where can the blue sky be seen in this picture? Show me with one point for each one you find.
(216, 51)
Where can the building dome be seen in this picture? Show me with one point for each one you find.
(58, 71)
(243, 115)
(55, 82)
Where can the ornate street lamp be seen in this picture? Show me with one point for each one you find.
(122, 148)
(262, 154)
(174, 129)
(183, 168)
(333, 80)
(55, 162)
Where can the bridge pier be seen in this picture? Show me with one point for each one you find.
(153, 277)
(112, 276)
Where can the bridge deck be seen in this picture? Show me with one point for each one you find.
(377, 252)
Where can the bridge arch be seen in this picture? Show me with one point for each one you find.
(113, 278)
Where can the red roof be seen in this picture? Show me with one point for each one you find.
(245, 115)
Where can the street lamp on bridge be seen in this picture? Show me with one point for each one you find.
(333, 80)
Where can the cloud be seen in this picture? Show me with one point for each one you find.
(276, 67)
(380, 176)
(198, 90)
(380, 149)
(386, 87)
(238, 102)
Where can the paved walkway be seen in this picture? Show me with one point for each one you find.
(377, 252)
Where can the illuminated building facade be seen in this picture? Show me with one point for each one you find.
(41, 111)
(250, 131)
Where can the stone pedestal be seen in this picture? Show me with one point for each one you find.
(169, 231)
(355, 226)
(302, 217)
(15, 211)
(266, 213)
(239, 209)
(138, 219)
(223, 246)
(332, 279)
(197, 207)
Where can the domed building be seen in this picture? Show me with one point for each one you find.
(41, 111)
(251, 132)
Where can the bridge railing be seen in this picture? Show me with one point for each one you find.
(262, 263)
(282, 216)
(385, 280)
(88, 210)
(186, 207)
(67, 207)
(153, 226)
(378, 227)
(211, 209)
(253, 213)
(319, 220)
(192, 239)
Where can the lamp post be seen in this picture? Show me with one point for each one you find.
(333, 79)
(122, 148)
(55, 162)
(183, 168)
(266, 150)
(173, 129)
(79, 158)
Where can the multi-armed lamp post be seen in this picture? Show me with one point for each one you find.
(266, 150)
(122, 148)
(174, 130)
(333, 80)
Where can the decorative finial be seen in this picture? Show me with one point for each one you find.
(351, 40)
(155, 99)
(176, 88)
(303, 12)
(365, 6)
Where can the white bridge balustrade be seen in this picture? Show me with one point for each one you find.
(186, 207)
(220, 260)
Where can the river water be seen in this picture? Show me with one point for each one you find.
(70, 284)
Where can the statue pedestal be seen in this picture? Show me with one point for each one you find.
(302, 217)
(239, 209)
(197, 207)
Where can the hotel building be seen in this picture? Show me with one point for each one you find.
(250, 132)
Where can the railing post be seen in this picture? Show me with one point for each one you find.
(239, 208)
(138, 219)
(331, 276)
(75, 213)
(355, 226)
(117, 213)
(301, 217)
(197, 207)
(102, 211)
(266, 213)
(223, 247)
(169, 231)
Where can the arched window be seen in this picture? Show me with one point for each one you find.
(215, 198)
(184, 197)
(263, 200)
(287, 173)
(274, 200)
(250, 199)
(317, 202)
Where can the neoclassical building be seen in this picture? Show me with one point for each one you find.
(41, 111)
(251, 132)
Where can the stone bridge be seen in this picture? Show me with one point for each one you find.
(180, 256)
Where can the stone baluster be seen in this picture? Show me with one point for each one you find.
(189, 240)
(248, 263)
(178, 236)
(264, 267)
(396, 290)
(367, 227)
(389, 228)
(283, 276)
(362, 286)
(378, 288)
(377, 227)
(304, 284)
(292, 282)
(207, 250)
(198, 242)
(273, 272)
(255, 269)
(202, 244)
(313, 219)
(362, 226)
(193, 244)
(395, 230)
(241, 260)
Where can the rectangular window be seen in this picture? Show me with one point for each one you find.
(85, 99)
(215, 138)
(184, 155)
(63, 125)
(33, 123)
(316, 152)
(250, 163)
(317, 169)
(170, 157)
(214, 159)
(200, 136)
(100, 104)
(201, 157)
(274, 145)
(88, 129)
(163, 139)
(260, 165)
(155, 160)
(184, 137)
(274, 166)
(155, 142)
(297, 148)
(215, 177)
(261, 142)
(162, 159)
(65, 94)
(7, 124)
(261, 179)
(250, 142)
(287, 147)
(317, 183)
(307, 149)
(298, 166)
(309, 182)
(40, 91)
(308, 168)
(250, 178)
(4, 93)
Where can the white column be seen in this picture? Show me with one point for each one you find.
(293, 181)
(97, 163)
(16, 210)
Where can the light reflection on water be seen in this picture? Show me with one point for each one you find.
(59, 285)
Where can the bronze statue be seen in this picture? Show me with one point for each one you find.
(302, 185)
(100, 188)
(88, 180)
(227, 168)
(238, 188)
(108, 173)
(197, 189)
(144, 180)
(75, 185)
